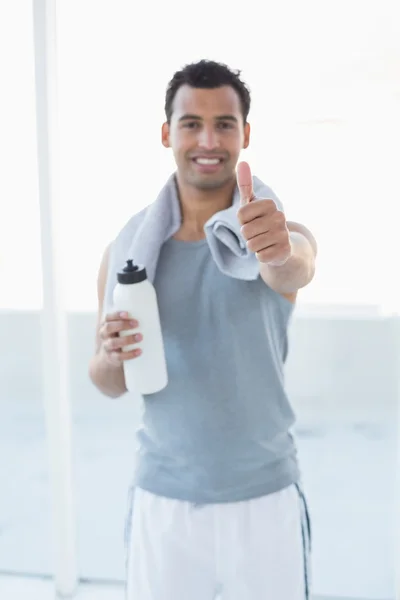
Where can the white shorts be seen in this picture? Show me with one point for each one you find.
(252, 550)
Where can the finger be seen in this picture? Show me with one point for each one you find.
(273, 255)
(255, 227)
(116, 316)
(117, 358)
(111, 328)
(261, 242)
(119, 342)
(245, 182)
(255, 219)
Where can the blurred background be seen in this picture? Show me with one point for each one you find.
(325, 82)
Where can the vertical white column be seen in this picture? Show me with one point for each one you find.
(55, 364)
(396, 329)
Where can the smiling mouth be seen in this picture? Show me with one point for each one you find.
(207, 161)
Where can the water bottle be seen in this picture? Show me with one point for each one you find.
(135, 295)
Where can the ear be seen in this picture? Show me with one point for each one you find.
(246, 141)
(165, 135)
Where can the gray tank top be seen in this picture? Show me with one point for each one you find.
(220, 430)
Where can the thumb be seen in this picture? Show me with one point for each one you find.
(245, 182)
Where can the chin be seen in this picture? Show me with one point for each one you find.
(208, 182)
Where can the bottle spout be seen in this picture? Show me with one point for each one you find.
(130, 266)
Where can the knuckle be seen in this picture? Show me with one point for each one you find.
(265, 207)
(251, 245)
(115, 343)
(284, 240)
(111, 344)
(245, 231)
(107, 329)
(240, 214)
(244, 213)
(124, 340)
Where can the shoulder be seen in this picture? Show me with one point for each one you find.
(121, 243)
(114, 256)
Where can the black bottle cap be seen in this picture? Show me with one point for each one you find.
(131, 273)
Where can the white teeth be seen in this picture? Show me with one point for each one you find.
(207, 161)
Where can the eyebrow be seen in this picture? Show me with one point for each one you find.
(197, 118)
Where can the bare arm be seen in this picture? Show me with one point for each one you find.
(286, 250)
(299, 269)
(106, 366)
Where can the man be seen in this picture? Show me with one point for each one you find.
(218, 510)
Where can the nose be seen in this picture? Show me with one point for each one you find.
(208, 138)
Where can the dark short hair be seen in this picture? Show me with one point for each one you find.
(207, 74)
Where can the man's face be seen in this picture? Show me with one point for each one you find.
(206, 134)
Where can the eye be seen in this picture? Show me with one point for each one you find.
(225, 125)
(191, 125)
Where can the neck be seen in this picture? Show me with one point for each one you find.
(198, 206)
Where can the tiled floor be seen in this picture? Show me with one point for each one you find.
(15, 588)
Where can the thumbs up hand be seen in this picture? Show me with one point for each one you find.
(263, 225)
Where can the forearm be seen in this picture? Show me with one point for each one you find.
(109, 379)
(298, 270)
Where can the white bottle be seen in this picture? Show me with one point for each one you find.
(135, 295)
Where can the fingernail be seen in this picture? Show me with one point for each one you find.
(138, 337)
(123, 314)
(138, 352)
(134, 323)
